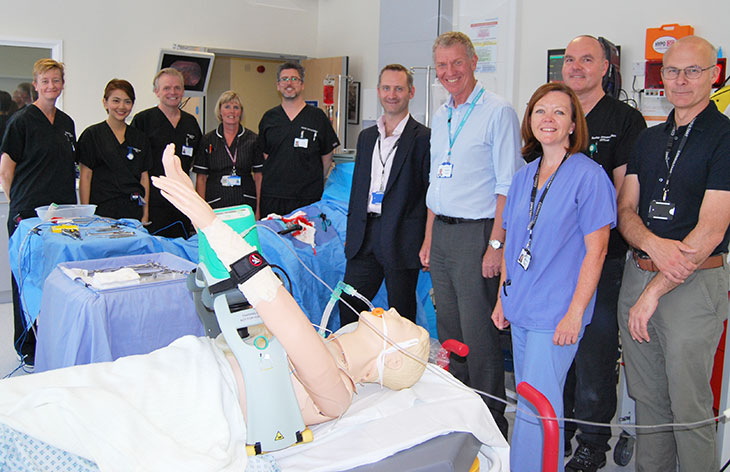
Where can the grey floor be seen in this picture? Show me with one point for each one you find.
(9, 362)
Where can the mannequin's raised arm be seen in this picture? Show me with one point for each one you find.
(281, 314)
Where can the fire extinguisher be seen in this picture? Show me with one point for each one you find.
(329, 98)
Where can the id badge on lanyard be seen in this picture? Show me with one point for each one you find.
(663, 209)
(446, 169)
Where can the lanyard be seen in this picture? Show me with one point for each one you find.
(676, 155)
(452, 140)
(233, 156)
(387, 158)
(533, 195)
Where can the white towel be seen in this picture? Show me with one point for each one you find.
(174, 409)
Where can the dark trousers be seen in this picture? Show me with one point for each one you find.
(590, 389)
(120, 207)
(366, 271)
(282, 206)
(23, 340)
(168, 221)
(464, 302)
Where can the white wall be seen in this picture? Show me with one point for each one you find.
(350, 28)
(545, 25)
(102, 40)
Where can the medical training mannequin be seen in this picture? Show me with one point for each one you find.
(147, 412)
(324, 374)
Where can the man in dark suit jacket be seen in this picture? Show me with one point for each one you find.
(386, 222)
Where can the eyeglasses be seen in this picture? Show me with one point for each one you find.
(691, 72)
(293, 80)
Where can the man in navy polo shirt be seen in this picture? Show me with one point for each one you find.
(674, 210)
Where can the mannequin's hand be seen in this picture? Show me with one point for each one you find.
(178, 189)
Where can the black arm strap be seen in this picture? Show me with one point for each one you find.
(241, 270)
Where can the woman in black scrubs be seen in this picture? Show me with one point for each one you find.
(227, 157)
(115, 159)
(37, 167)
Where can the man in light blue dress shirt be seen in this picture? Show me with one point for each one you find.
(475, 151)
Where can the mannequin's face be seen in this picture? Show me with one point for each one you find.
(398, 328)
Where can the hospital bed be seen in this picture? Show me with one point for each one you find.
(379, 423)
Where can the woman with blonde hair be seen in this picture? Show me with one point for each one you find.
(229, 161)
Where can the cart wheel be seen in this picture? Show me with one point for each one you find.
(624, 449)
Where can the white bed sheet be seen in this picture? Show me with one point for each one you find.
(176, 409)
(381, 422)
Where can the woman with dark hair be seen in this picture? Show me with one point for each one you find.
(557, 218)
(229, 161)
(115, 159)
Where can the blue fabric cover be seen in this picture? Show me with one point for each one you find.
(40, 253)
(34, 256)
(81, 325)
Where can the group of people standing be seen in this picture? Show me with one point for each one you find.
(277, 172)
(567, 239)
(585, 239)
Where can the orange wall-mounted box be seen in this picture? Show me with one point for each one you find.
(659, 39)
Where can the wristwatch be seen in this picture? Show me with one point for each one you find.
(496, 244)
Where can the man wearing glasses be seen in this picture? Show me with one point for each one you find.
(674, 210)
(297, 140)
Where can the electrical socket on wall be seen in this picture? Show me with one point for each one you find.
(637, 68)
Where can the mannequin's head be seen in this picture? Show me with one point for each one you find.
(400, 371)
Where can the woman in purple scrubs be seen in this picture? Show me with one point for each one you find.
(558, 214)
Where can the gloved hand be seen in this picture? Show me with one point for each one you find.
(177, 188)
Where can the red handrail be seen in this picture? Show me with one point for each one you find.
(550, 447)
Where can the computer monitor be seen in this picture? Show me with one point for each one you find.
(555, 65)
(194, 66)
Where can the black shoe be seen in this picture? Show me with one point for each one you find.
(586, 459)
(568, 449)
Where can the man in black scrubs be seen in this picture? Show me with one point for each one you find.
(298, 141)
(165, 124)
(590, 389)
(37, 168)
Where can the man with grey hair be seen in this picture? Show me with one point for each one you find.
(24, 94)
(475, 151)
(164, 124)
(674, 211)
(298, 141)
(386, 220)
(590, 388)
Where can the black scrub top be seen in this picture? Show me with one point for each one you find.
(613, 127)
(160, 132)
(45, 156)
(295, 148)
(117, 168)
(214, 161)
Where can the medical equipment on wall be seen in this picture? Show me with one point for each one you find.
(722, 99)
(273, 420)
(612, 79)
(343, 86)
